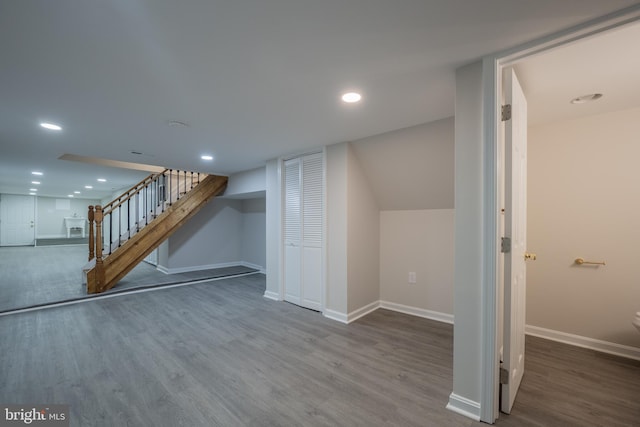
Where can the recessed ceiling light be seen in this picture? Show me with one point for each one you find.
(32, 194)
(36, 173)
(351, 97)
(51, 126)
(177, 123)
(88, 187)
(586, 98)
(69, 195)
(33, 189)
(102, 180)
(35, 182)
(76, 192)
(206, 157)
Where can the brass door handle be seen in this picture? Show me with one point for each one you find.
(530, 257)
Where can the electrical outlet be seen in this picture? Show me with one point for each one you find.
(412, 277)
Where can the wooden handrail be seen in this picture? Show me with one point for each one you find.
(176, 188)
(136, 189)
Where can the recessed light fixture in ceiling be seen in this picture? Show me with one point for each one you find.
(88, 187)
(177, 124)
(36, 173)
(76, 192)
(69, 195)
(32, 194)
(206, 157)
(35, 182)
(102, 180)
(351, 97)
(586, 98)
(33, 189)
(50, 126)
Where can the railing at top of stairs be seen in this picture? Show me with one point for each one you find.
(134, 209)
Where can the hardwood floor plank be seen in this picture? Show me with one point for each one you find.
(219, 354)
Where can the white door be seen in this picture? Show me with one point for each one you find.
(292, 231)
(515, 228)
(303, 230)
(17, 220)
(312, 203)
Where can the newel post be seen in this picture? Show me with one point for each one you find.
(91, 239)
(99, 268)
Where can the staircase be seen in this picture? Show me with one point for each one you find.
(126, 230)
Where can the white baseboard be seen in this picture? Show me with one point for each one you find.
(54, 236)
(584, 342)
(272, 295)
(260, 268)
(335, 315)
(362, 311)
(463, 406)
(369, 308)
(420, 312)
(208, 267)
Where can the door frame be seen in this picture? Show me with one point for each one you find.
(492, 68)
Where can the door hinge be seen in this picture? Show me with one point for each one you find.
(504, 376)
(505, 246)
(506, 112)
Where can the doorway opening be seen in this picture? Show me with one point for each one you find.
(569, 54)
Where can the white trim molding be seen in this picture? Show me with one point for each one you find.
(420, 312)
(335, 315)
(585, 342)
(363, 311)
(176, 270)
(272, 295)
(463, 406)
(260, 268)
(400, 308)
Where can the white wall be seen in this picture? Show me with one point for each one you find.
(336, 232)
(363, 238)
(247, 184)
(412, 168)
(50, 219)
(253, 247)
(212, 236)
(411, 175)
(273, 216)
(419, 241)
(583, 201)
(468, 242)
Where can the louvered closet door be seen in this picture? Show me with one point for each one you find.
(304, 195)
(292, 232)
(312, 197)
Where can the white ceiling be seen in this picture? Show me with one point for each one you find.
(254, 79)
(608, 64)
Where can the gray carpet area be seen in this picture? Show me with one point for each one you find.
(35, 276)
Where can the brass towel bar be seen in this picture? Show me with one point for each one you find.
(581, 261)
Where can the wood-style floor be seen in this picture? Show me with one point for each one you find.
(34, 276)
(219, 354)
